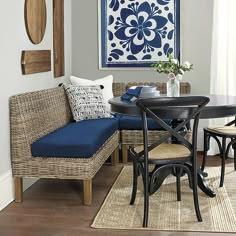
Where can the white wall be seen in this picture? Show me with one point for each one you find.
(196, 42)
(196, 28)
(13, 40)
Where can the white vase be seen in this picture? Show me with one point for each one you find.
(173, 87)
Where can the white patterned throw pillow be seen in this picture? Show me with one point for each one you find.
(106, 82)
(86, 102)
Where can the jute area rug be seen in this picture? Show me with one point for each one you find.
(165, 212)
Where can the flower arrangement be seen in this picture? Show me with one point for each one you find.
(173, 67)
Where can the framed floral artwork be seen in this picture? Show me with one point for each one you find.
(138, 33)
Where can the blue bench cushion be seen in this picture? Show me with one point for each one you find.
(135, 123)
(78, 139)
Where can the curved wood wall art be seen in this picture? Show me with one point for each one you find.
(35, 19)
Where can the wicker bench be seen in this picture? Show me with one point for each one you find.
(34, 115)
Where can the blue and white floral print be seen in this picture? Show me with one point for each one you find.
(140, 28)
(138, 32)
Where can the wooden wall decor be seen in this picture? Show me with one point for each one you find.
(35, 61)
(35, 19)
(58, 38)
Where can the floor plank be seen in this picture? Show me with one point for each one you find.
(54, 207)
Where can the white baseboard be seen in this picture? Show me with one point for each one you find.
(7, 193)
(6, 189)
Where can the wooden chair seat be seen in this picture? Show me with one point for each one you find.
(166, 151)
(227, 130)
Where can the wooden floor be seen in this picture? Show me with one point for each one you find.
(54, 207)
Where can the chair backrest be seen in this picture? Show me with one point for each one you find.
(182, 108)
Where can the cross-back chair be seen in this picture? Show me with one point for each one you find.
(227, 132)
(167, 157)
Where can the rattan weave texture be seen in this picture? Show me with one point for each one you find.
(166, 213)
(184, 86)
(118, 89)
(36, 114)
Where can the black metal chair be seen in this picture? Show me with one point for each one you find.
(225, 132)
(167, 157)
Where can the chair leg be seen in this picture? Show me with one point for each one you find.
(124, 153)
(146, 198)
(205, 149)
(178, 174)
(87, 185)
(115, 157)
(18, 189)
(195, 196)
(234, 148)
(135, 182)
(223, 161)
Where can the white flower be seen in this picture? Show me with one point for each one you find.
(174, 61)
(179, 77)
(173, 66)
(186, 65)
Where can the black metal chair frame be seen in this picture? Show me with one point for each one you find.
(223, 148)
(185, 108)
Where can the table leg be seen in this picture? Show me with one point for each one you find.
(158, 178)
(160, 175)
(202, 182)
(203, 185)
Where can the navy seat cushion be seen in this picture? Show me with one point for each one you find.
(135, 123)
(77, 139)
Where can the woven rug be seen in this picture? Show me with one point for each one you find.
(165, 212)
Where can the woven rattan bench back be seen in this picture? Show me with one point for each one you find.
(120, 88)
(184, 86)
(34, 115)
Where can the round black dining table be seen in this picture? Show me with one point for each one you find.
(218, 107)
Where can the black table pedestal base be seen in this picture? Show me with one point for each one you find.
(160, 176)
